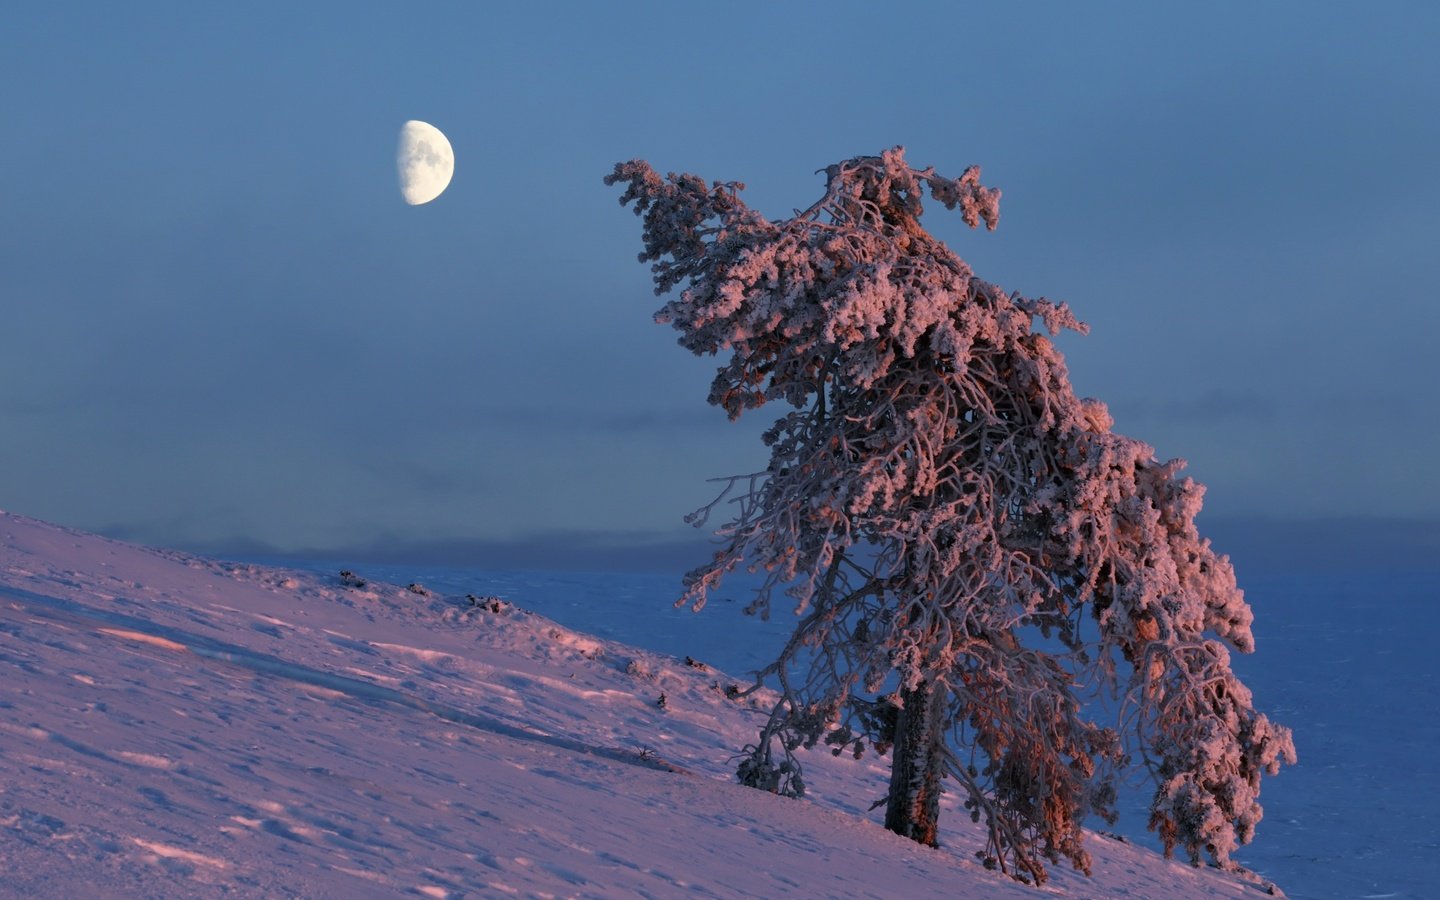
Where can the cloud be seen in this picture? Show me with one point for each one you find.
(622, 421)
(1327, 545)
(1213, 407)
(574, 551)
(1256, 545)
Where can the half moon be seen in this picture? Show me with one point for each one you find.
(424, 161)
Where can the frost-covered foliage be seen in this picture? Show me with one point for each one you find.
(975, 558)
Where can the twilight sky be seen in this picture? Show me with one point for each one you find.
(224, 329)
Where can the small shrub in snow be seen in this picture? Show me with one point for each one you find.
(638, 668)
(971, 551)
(350, 579)
(759, 769)
(489, 604)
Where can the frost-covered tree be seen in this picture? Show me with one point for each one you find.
(977, 562)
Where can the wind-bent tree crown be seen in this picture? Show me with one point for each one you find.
(972, 553)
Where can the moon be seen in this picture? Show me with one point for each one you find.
(424, 161)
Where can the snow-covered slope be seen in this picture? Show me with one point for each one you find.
(173, 726)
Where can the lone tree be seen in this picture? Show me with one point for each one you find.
(977, 562)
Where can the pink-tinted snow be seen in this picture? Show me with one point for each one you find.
(174, 726)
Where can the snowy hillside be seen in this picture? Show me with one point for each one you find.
(172, 726)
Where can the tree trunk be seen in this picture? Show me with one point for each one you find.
(913, 809)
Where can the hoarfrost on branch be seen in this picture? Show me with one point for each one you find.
(973, 555)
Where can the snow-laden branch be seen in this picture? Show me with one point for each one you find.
(963, 539)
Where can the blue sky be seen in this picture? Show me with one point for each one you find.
(225, 330)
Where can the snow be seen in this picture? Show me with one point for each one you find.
(174, 726)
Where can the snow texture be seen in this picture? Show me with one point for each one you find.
(176, 726)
